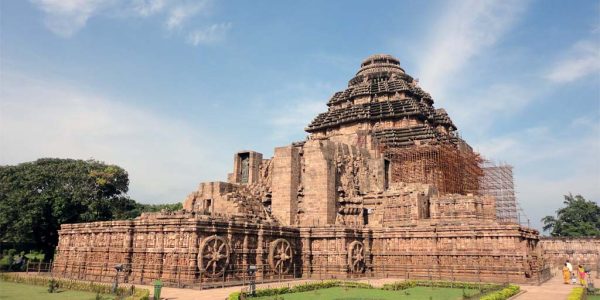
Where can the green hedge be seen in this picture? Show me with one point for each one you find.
(139, 294)
(503, 294)
(577, 293)
(402, 285)
(301, 288)
(235, 295)
(69, 284)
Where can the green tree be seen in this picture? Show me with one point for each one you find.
(579, 217)
(36, 197)
(160, 207)
(132, 209)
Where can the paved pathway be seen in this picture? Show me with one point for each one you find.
(551, 289)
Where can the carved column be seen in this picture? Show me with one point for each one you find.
(306, 252)
(245, 249)
(231, 244)
(128, 243)
(367, 242)
(259, 254)
(343, 252)
(161, 250)
(108, 268)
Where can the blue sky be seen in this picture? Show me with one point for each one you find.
(169, 90)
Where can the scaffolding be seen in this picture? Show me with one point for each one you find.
(497, 182)
(451, 169)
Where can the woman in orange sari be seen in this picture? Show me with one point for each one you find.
(581, 274)
(566, 274)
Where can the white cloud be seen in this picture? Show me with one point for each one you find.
(467, 28)
(149, 7)
(179, 14)
(289, 120)
(165, 158)
(583, 59)
(478, 109)
(549, 163)
(540, 196)
(67, 17)
(210, 35)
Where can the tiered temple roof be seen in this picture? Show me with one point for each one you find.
(373, 111)
(382, 91)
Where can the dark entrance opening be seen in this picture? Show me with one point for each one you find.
(386, 174)
(244, 167)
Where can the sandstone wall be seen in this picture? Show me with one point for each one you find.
(319, 182)
(584, 250)
(176, 248)
(286, 172)
(461, 252)
(470, 252)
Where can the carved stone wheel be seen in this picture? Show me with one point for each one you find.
(356, 257)
(214, 256)
(280, 256)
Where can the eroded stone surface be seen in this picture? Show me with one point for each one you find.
(347, 202)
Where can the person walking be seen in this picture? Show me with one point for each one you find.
(570, 266)
(581, 274)
(566, 274)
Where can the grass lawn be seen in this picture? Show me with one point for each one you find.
(9, 291)
(593, 297)
(340, 293)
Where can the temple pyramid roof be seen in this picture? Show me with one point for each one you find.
(381, 91)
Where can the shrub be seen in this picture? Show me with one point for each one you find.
(272, 291)
(395, 286)
(235, 296)
(52, 285)
(300, 288)
(503, 294)
(70, 284)
(139, 294)
(576, 293)
(402, 285)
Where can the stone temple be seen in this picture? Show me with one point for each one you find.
(382, 186)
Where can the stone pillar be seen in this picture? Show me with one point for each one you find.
(367, 241)
(286, 173)
(160, 238)
(259, 254)
(344, 241)
(128, 249)
(231, 245)
(305, 235)
(245, 249)
(319, 183)
(193, 249)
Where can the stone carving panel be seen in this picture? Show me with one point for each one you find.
(356, 257)
(214, 256)
(281, 256)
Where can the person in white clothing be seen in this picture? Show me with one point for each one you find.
(571, 270)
